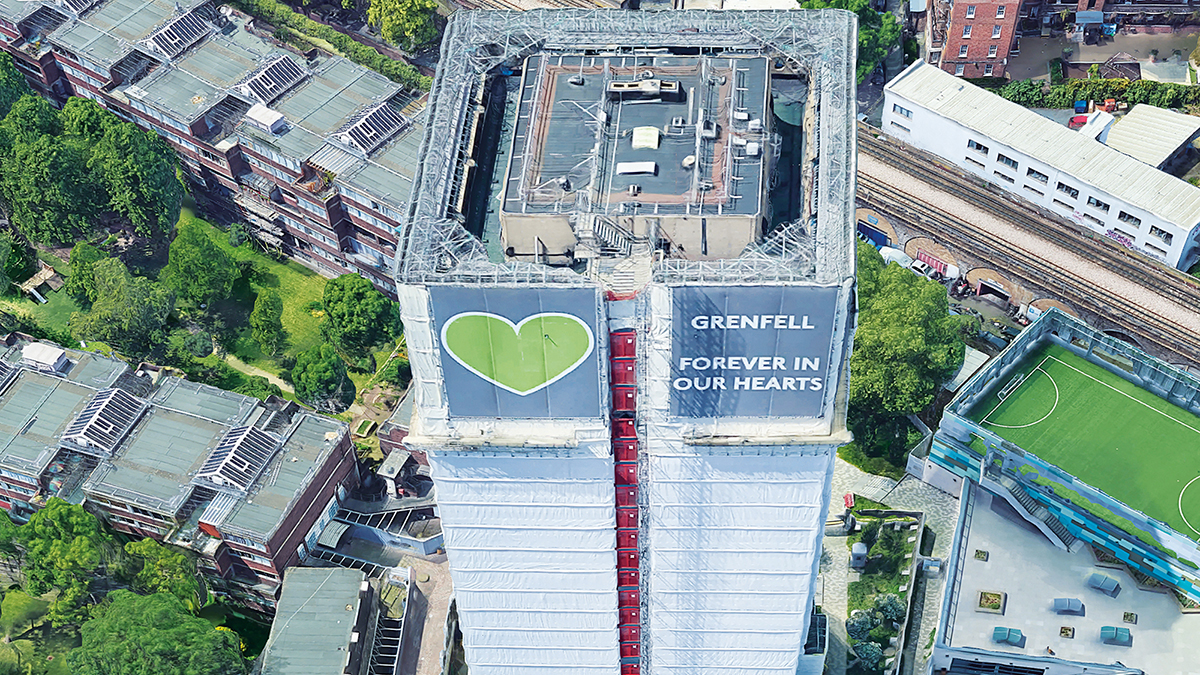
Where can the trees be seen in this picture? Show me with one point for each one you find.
(82, 118)
(358, 316)
(12, 84)
(63, 545)
(128, 312)
(877, 33)
(259, 387)
(82, 282)
(198, 269)
(266, 321)
(320, 379)
(890, 607)
(870, 654)
(408, 23)
(138, 169)
(165, 569)
(32, 116)
(860, 623)
(142, 634)
(907, 342)
(48, 189)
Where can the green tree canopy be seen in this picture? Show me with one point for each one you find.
(907, 342)
(877, 33)
(138, 169)
(49, 190)
(320, 379)
(12, 84)
(83, 118)
(198, 269)
(259, 387)
(6, 253)
(266, 321)
(165, 569)
(32, 116)
(63, 546)
(82, 281)
(128, 312)
(153, 635)
(358, 315)
(408, 23)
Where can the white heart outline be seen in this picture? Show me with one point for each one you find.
(517, 331)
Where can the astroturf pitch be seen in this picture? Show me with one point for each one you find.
(1109, 433)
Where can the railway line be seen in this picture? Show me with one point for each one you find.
(1153, 302)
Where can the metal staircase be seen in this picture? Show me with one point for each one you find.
(1014, 493)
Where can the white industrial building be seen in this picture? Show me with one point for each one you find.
(1122, 196)
(631, 387)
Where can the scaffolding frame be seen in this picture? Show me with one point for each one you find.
(818, 44)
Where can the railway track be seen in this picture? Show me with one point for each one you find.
(1164, 329)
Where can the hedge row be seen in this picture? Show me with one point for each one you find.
(279, 14)
(1032, 94)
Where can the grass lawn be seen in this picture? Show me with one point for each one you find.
(296, 285)
(1113, 435)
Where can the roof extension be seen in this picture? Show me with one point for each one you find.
(1152, 134)
(1087, 160)
(314, 620)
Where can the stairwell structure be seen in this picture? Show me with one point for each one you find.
(632, 445)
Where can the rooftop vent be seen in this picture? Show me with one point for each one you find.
(44, 357)
(270, 121)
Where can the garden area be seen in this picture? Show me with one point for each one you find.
(877, 601)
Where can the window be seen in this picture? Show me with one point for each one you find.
(962, 52)
(1156, 251)
(1092, 201)
(1068, 190)
(977, 147)
(1005, 178)
(901, 127)
(967, 31)
(1007, 161)
(995, 32)
(1092, 219)
(1063, 204)
(1035, 191)
(902, 111)
(1037, 175)
(1165, 236)
(972, 160)
(970, 11)
(959, 68)
(1132, 220)
(1000, 12)
(992, 49)
(988, 69)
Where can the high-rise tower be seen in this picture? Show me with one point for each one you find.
(627, 284)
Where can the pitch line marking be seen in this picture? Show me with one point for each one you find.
(1022, 384)
(1185, 520)
(1180, 422)
(1044, 417)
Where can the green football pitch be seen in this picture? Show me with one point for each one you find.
(1104, 430)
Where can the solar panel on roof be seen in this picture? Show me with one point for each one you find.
(104, 422)
(374, 128)
(274, 81)
(239, 459)
(79, 6)
(173, 38)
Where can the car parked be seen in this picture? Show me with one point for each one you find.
(921, 267)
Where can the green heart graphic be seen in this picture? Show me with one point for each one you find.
(522, 357)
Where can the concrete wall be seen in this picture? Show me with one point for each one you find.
(910, 122)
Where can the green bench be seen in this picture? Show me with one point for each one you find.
(1008, 636)
(1115, 635)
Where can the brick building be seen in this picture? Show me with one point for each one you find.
(248, 485)
(314, 152)
(976, 37)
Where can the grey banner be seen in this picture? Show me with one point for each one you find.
(741, 351)
(519, 353)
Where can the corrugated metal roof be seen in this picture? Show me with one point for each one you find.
(1025, 131)
(1152, 134)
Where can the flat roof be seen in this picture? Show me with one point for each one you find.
(1152, 134)
(1022, 563)
(1086, 159)
(561, 153)
(305, 449)
(154, 467)
(1108, 432)
(315, 617)
(215, 404)
(35, 409)
(110, 30)
(336, 90)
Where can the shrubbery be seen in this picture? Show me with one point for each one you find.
(1032, 94)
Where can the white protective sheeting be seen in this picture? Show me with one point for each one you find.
(733, 544)
(531, 542)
